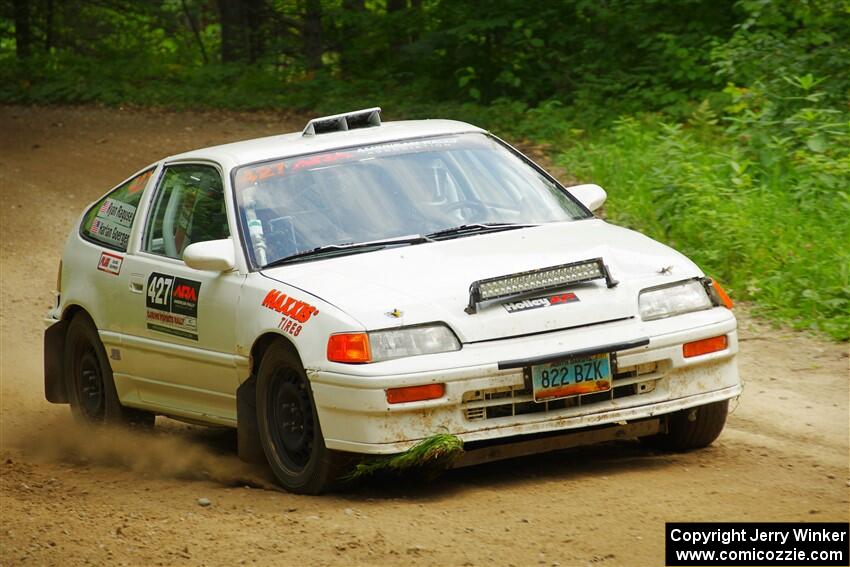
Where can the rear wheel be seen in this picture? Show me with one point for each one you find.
(289, 426)
(88, 379)
(692, 428)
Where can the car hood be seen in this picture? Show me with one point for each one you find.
(422, 283)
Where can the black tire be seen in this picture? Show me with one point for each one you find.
(88, 379)
(692, 428)
(289, 426)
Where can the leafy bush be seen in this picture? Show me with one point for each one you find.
(762, 204)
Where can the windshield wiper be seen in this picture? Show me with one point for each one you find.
(348, 247)
(477, 227)
(353, 247)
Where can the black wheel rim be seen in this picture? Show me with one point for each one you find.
(90, 390)
(291, 419)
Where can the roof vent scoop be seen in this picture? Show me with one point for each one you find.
(342, 122)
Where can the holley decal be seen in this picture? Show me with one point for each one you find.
(295, 312)
(537, 302)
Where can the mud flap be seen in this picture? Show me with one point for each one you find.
(54, 355)
(247, 433)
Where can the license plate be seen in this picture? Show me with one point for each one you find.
(566, 378)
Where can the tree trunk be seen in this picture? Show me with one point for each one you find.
(396, 5)
(231, 36)
(396, 32)
(253, 20)
(242, 38)
(49, 39)
(23, 35)
(351, 28)
(311, 34)
(194, 25)
(418, 18)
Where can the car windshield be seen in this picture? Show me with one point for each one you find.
(397, 191)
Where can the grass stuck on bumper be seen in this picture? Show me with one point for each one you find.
(435, 453)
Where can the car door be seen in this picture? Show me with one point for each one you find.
(181, 321)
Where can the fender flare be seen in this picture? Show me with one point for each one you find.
(54, 362)
(248, 445)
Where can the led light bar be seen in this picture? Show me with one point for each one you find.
(544, 279)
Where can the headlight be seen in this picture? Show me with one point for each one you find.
(675, 299)
(376, 346)
(411, 341)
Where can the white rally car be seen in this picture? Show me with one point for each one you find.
(355, 288)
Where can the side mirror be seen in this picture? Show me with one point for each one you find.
(212, 255)
(591, 196)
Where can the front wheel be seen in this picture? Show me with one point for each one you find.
(692, 428)
(289, 426)
(88, 379)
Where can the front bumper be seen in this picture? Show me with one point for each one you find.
(482, 402)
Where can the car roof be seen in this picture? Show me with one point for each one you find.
(287, 145)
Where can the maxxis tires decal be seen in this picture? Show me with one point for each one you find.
(295, 313)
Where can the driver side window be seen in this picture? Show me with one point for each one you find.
(189, 208)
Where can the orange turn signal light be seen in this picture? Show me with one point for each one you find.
(415, 393)
(349, 347)
(705, 346)
(724, 297)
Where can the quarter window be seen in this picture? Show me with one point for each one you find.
(109, 221)
(189, 207)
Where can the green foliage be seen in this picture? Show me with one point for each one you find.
(762, 204)
(620, 54)
(775, 41)
(435, 453)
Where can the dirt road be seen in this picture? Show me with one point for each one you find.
(71, 498)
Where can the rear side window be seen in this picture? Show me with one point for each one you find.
(109, 221)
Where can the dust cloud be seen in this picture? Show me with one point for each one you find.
(168, 453)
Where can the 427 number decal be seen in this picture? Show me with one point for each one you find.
(159, 288)
(172, 305)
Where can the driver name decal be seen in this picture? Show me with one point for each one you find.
(295, 312)
(117, 211)
(112, 222)
(537, 302)
(111, 232)
(172, 305)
